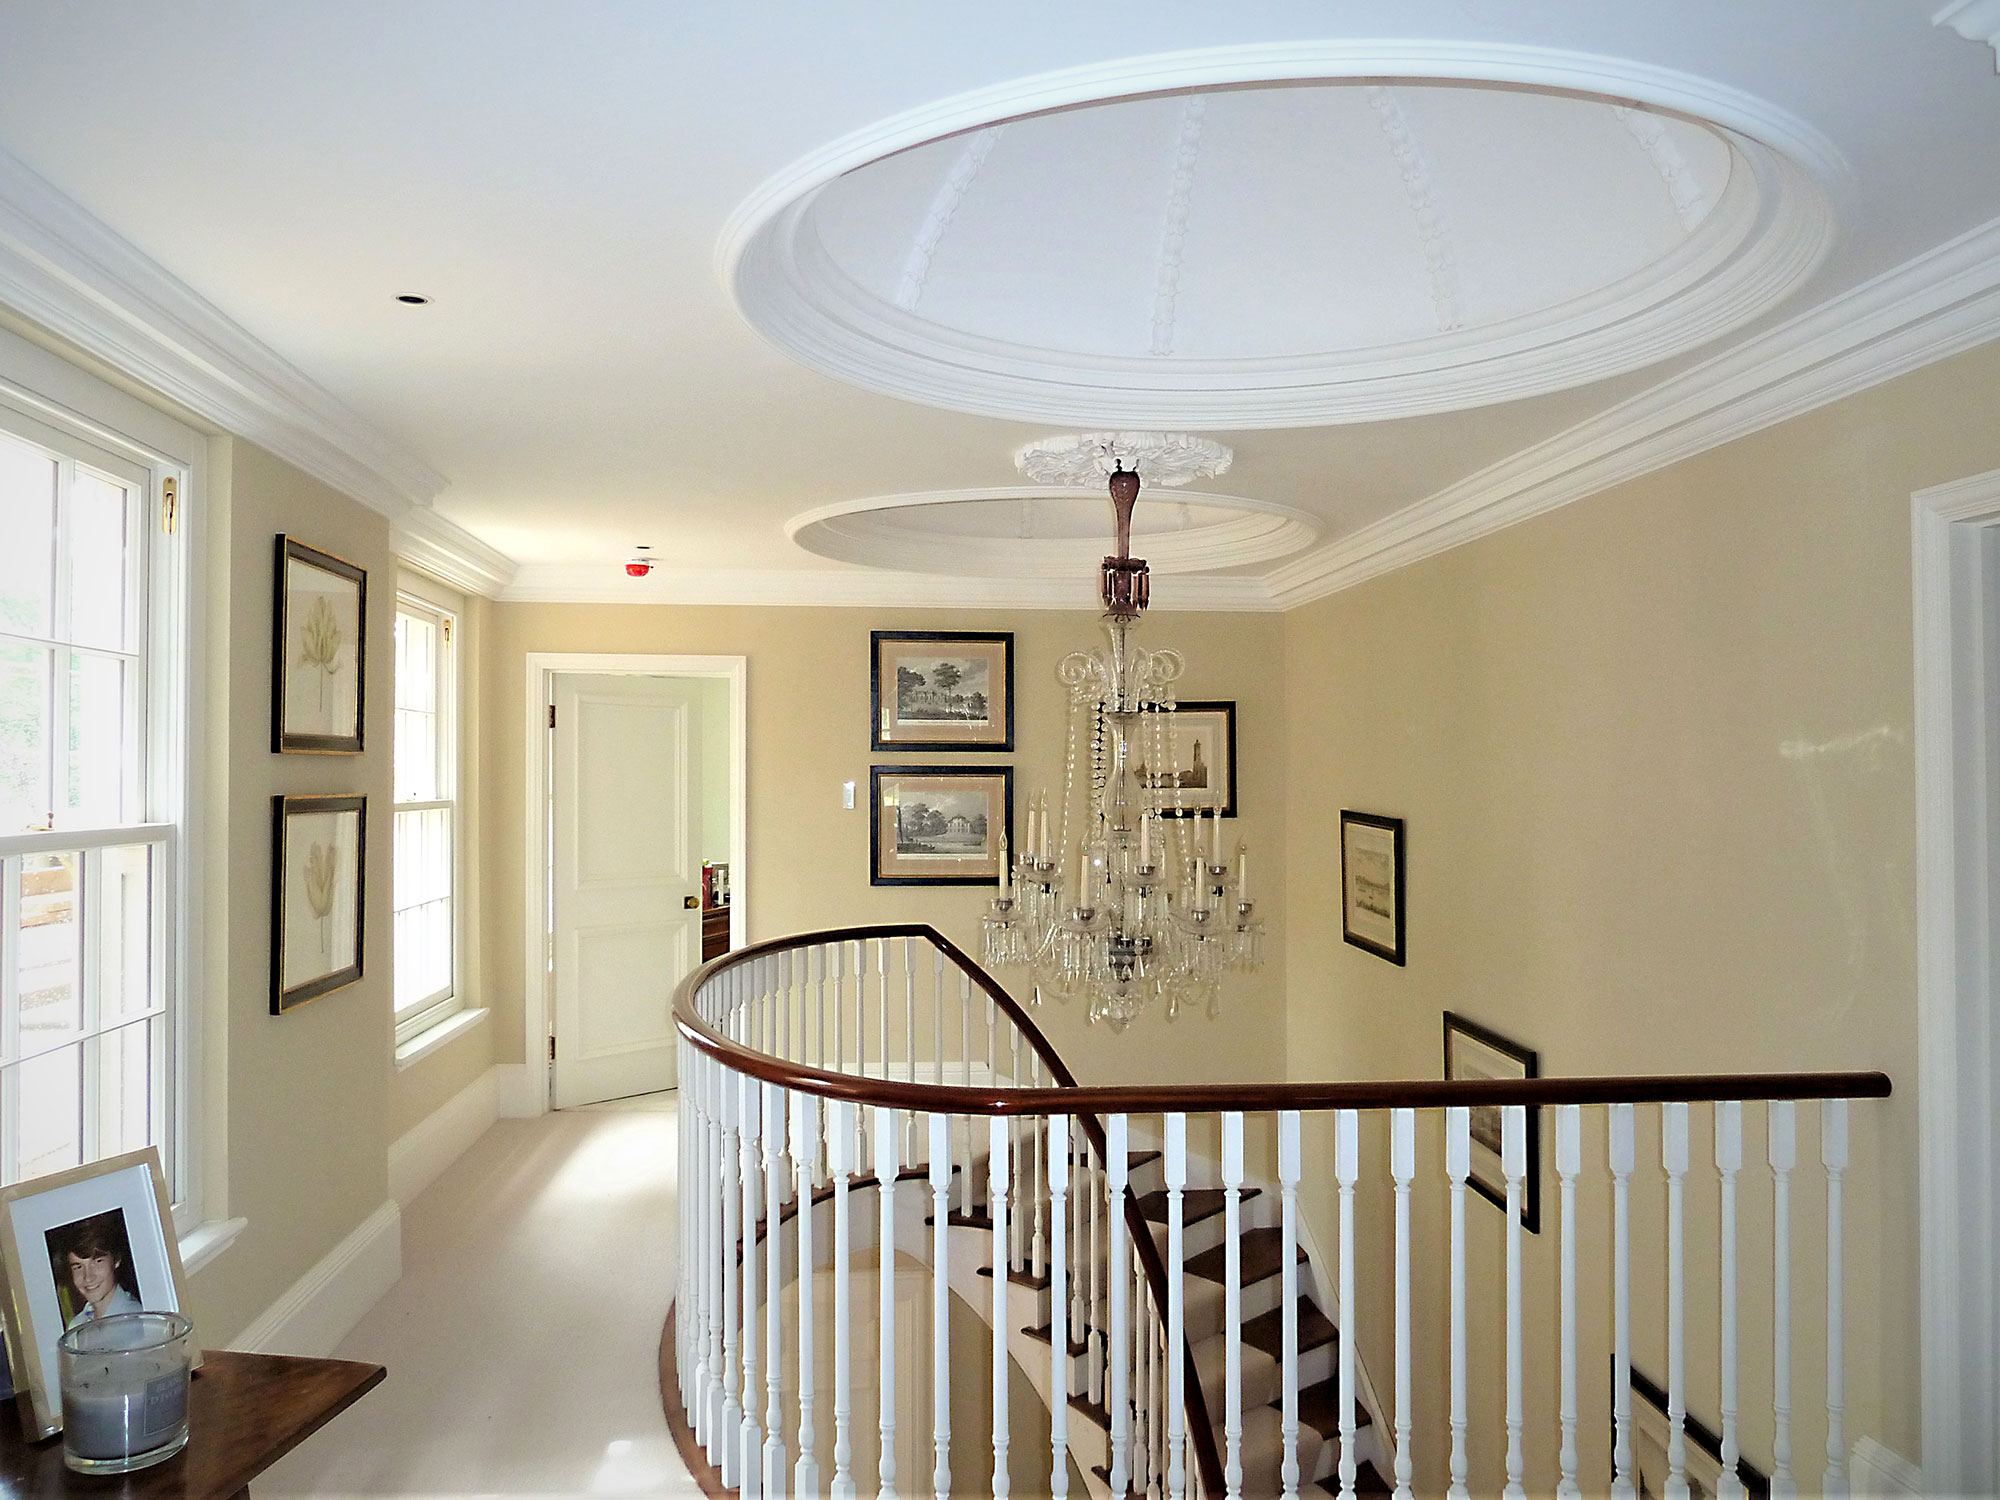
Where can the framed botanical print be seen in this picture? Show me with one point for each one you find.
(319, 652)
(941, 690)
(938, 825)
(1471, 1051)
(1195, 750)
(1371, 883)
(319, 851)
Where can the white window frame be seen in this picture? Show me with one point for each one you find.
(52, 403)
(414, 1018)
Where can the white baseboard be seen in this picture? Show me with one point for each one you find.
(420, 1153)
(1879, 1473)
(523, 1090)
(322, 1306)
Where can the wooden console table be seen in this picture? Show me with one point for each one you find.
(245, 1412)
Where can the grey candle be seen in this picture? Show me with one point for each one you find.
(124, 1391)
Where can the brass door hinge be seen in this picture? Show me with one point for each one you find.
(552, 1048)
(170, 504)
(552, 716)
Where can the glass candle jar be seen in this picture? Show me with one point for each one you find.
(124, 1391)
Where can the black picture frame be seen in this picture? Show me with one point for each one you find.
(351, 884)
(887, 732)
(1496, 1057)
(893, 866)
(293, 625)
(1225, 708)
(1365, 840)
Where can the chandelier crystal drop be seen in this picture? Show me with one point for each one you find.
(1124, 893)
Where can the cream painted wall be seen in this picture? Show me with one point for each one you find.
(808, 731)
(1654, 751)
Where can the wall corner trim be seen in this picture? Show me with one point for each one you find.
(521, 1091)
(321, 1308)
(420, 1154)
(1881, 1473)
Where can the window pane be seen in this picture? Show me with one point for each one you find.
(27, 520)
(97, 516)
(423, 904)
(25, 794)
(98, 746)
(125, 933)
(416, 756)
(50, 952)
(125, 1089)
(51, 1105)
(416, 662)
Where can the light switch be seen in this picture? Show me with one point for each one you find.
(847, 795)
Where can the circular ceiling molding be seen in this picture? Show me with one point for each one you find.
(1159, 458)
(1366, 233)
(1034, 531)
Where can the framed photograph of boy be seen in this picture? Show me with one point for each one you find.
(319, 651)
(941, 690)
(91, 1242)
(938, 825)
(319, 847)
(1471, 1051)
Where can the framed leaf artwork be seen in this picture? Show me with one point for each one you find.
(319, 852)
(319, 652)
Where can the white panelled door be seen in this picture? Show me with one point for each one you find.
(626, 878)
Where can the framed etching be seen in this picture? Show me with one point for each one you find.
(319, 849)
(1471, 1051)
(90, 1242)
(319, 652)
(1371, 883)
(941, 690)
(938, 825)
(1198, 770)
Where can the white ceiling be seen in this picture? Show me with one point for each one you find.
(226, 196)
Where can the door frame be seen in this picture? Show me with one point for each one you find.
(543, 666)
(1955, 567)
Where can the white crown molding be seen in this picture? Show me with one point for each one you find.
(448, 551)
(73, 275)
(1975, 20)
(606, 583)
(1929, 308)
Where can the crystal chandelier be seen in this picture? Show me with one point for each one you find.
(1123, 894)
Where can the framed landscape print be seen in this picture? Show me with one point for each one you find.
(1471, 1051)
(319, 845)
(938, 825)
(1198, 774)
(319, 651)
(89, 1242)
(941, 690)
(1371, 883)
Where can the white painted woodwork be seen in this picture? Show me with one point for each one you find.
(805, 1148)
(1569, 1161)
(1674, 1159)
(1729, 1162)
(840, 1164)
(718, 1258)
(939, 1159)
(887, 1164)
(750, 1118)
(774, 1286)
(1288, 1250)
(999, 1157)
(1403, 1171)
(724, 1451)
(626, 834)
(1232, 1315)
(1117, 1130)
(1059, 1306)
(1457, 1164)
(1623, 1156)
(1782, 1148)
(1514, 1166)
(1833, 1156)
(1346, 1171)
(1176, 1407)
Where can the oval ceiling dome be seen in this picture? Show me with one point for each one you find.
(1281, 254)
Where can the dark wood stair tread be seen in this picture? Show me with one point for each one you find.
(1263, 1253)
(1266, 1331)
(1366, 1482)
(1197, 1204)
(1319, 1409)
(956, 1220)
(1046, 1335)
(1021, 1278)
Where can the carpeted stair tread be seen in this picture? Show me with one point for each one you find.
(1266, 1331)
(1263, 1255)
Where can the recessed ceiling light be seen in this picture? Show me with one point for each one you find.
(413, 299)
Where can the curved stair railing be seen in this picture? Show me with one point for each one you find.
(1191, 1344)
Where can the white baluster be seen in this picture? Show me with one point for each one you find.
(887, 1163)
(751, 1120)
(726, 1446)
(702, 1261)
(1514, 1164)
(1176, 1412)
(1096, 1360)
(1059, 1306)
(1403, 1170)
(839, 960)
(1232, 1303)
(718, 1254)
(1116, 1174)
(1728, 1162)
(783, 1003)
(1674, 1158)
(840, 1163)
(1289, 1156)
(1569, 1161)
(1346, 1171)
(1833, 1156)
(1457, 1163)
(937, 1009)
(819, 1004)
(882, 1000)
(999, 1159)
(774, 1285)
(1623, 1156)
(805, 1148)
(965, 1184)
(940, 1172)
(1783, 1141)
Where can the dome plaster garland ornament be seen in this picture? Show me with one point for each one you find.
(1087, 458)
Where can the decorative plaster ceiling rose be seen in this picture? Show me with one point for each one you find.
(1159, 458)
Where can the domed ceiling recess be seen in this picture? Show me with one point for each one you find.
(1283, 253)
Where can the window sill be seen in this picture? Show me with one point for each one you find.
(207, 1240)
(427, 1041)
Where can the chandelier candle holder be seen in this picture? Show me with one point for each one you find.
(1122, 895)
